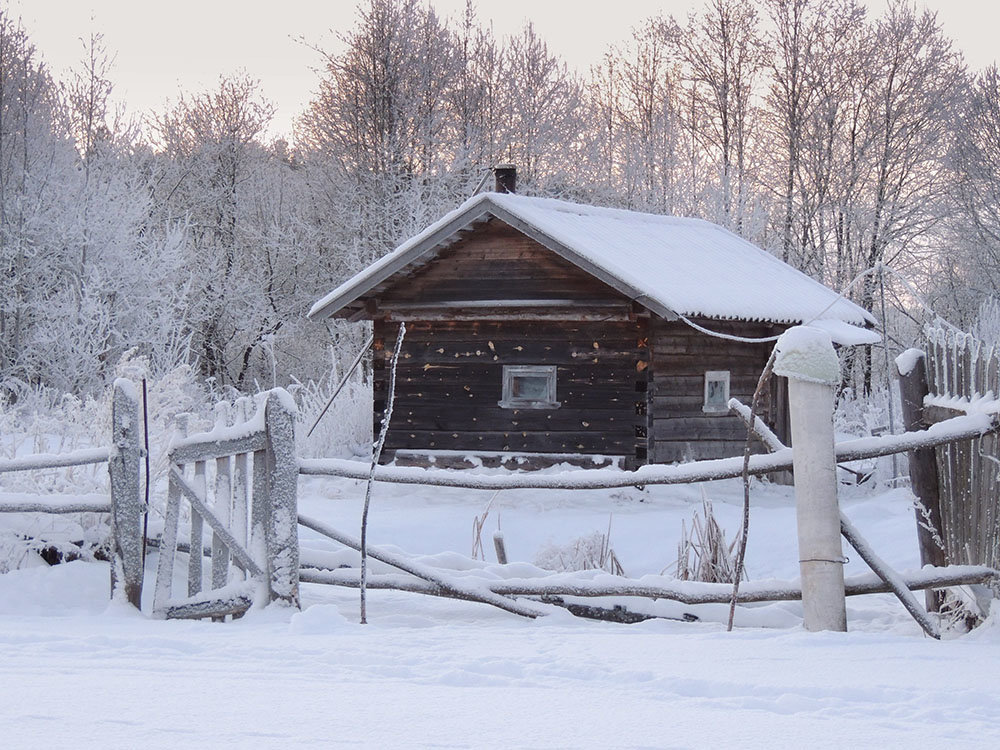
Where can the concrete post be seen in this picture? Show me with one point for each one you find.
(806, 357)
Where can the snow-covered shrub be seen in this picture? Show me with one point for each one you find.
(36, 539)
(16, 552)
(986, 327)
(38, 420)
(589, 552)
(346, 428)
(857, 415)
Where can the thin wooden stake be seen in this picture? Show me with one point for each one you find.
(744, 531)
(498, 545)
(376, 454)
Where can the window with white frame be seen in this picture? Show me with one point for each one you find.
(716, 391)
(529, 387)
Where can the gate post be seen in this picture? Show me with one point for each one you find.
(806, 357)
(281, 530)
(912, 369)
(127, 506)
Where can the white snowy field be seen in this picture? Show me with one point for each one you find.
(428, 672)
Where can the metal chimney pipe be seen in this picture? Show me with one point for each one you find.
(506, 178)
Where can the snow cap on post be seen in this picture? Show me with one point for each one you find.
(907, 361)
(806, 353)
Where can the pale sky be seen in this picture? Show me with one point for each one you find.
(163, 48)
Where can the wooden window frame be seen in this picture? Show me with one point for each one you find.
(510, 401)
(716, 376)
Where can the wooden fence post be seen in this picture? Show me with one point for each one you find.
(806, 357)
(127, 506)
(912, 369)
(282, 530)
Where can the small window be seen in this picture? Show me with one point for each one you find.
(716, 391)
(529, 387)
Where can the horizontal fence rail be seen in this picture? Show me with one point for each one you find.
(962, 427)
(39, 461)
(56, 505)
(126, 505)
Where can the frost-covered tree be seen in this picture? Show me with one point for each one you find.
(37, 160)
(543, 98)
(972, 271)
(379, 129)
(645, 155)
(210, 149)
(722, 55)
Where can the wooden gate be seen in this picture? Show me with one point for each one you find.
(239, 479)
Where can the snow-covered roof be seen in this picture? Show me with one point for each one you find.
(668, 264)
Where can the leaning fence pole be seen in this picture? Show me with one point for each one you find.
(336, 391)
(127, 506)
(281, 526)
(806, 357)
(912, 369)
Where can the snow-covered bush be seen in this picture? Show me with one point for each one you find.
(588, 552)
(37, 420)
(986, 328)
(346, 428)
(857, 415)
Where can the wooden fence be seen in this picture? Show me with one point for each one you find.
(958, 484)
(127, 505)
(240, 480)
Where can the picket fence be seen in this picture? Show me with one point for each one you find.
(960, 370)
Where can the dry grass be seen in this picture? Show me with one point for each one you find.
(703, 553)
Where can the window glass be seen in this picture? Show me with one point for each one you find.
(716, 391)
(532, 387)
(529, 387)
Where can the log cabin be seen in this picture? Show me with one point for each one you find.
(540, 331)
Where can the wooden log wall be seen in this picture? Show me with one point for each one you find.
(470, 309)
(450, 378)
(680, 356)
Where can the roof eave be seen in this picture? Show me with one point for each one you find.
(366, 281)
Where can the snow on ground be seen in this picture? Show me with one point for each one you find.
(438, 673)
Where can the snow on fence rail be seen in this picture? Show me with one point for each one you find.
(126, 506)
(656, 587)
(240, 480)
(963, 427)
(83, 457)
